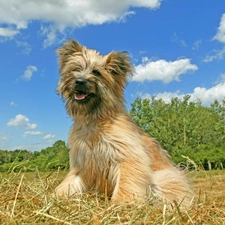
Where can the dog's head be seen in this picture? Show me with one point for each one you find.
(91, 83)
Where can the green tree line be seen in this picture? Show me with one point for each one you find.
(51, 158)
(187, 130)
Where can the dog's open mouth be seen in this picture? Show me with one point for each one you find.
(81, 95)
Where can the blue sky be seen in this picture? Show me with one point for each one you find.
(176, 46)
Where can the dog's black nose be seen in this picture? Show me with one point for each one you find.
(80, 82)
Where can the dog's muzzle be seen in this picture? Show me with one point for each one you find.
(81, 90)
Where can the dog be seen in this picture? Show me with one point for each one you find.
(108, 151)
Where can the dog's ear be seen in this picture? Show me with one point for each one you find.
(119, 64)
(68, 49)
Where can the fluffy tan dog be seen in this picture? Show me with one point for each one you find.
(107, 150)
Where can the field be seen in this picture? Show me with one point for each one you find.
(27, 198)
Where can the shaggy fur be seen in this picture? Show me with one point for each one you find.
(107, 150)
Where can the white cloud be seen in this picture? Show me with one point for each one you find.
(163, 70)
(3, 138)
(21, 121)
(220, 35)
(53, 34)
(26, 48)
(7, 32)
(166, 96)
(209, 95)
(219, 54)
(178, 40)
(196, 44)
(206, 96)
(12, 103)
(28, 73)
(67, 13)
(32, 133)
(49, 136)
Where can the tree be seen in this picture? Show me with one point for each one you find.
(50, 158)
(184, 127)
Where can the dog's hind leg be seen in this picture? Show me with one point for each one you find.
(71, 184)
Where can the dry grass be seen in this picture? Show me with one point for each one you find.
(27, 200)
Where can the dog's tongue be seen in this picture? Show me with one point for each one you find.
(79, 96)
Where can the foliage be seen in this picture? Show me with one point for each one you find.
(184, 127)
(50, 158)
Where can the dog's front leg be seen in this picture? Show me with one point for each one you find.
(132, 182)
(71, 184)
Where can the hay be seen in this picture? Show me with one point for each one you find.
(26, 199)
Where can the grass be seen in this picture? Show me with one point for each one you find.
(24, 199)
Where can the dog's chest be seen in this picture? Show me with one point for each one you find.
(92, 149)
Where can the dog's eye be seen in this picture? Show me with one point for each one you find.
(96, 73)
